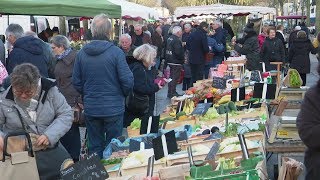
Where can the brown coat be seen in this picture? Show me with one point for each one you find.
(63, 73)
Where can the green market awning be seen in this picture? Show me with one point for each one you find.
(78, 8)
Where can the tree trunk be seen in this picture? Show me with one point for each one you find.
(62, 25)
(318, 15)
(307, 3)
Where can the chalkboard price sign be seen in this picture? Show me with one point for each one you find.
(87, 169)
(219, 83)
(201, 108)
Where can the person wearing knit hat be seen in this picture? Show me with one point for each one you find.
(297, 28)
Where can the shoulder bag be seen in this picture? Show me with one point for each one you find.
(137, 103)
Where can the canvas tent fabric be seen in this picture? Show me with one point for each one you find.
(221, 9)
(60, 7)
(130, 10)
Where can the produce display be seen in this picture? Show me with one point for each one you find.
(211, 114)
(135, 124)
(295, 80)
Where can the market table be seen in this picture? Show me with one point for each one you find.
(284, 147)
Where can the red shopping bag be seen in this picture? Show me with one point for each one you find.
(180, 80)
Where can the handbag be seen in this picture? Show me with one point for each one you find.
(209, 56)
(51, 160)
(19, 165)
(78, 111)
(138, 104)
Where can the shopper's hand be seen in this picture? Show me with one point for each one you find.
(1, 143)
(159, 85)
(43, 140)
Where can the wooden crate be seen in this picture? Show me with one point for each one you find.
(242, 114)
(293, 94)
(133, 133)
(179, 123)
(142, 169)
(175, 172)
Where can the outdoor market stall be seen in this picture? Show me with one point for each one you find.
(221, 9)
(136, 12)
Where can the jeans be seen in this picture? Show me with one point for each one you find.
(101, 130)
(217, 60)
(71, 141)
(158, 62)
(196, 72)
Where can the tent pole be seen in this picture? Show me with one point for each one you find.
(121, 29)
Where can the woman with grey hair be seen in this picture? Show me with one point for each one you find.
(63, 70)
(35, 105)
(144, 74)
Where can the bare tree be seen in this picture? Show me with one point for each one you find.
(317, 16)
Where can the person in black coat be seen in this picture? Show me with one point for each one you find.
(197, 45)
(299, 55)
(249, 46)
(175, 59)
(308, 124)
(144, 84)
(272, 50)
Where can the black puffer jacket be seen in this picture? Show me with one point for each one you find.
(299, 55)
(251, 49)
(174, 50)
(272, 51)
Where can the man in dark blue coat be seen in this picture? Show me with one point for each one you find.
(27, 49)
(103, 77)
(197, 45)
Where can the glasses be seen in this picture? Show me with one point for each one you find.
(137, 30)
(20, 92)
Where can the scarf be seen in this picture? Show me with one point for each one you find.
(64, 54)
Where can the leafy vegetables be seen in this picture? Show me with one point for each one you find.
(136, 124)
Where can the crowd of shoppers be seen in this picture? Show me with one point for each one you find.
(102, 75)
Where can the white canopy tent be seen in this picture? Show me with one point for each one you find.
(133, 11)
(221, 9)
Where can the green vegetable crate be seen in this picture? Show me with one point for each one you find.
(246, 171)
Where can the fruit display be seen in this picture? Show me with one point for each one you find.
(224, 99)
(188, 106)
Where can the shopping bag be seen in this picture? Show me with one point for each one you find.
(180, 80)
(18, 165)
